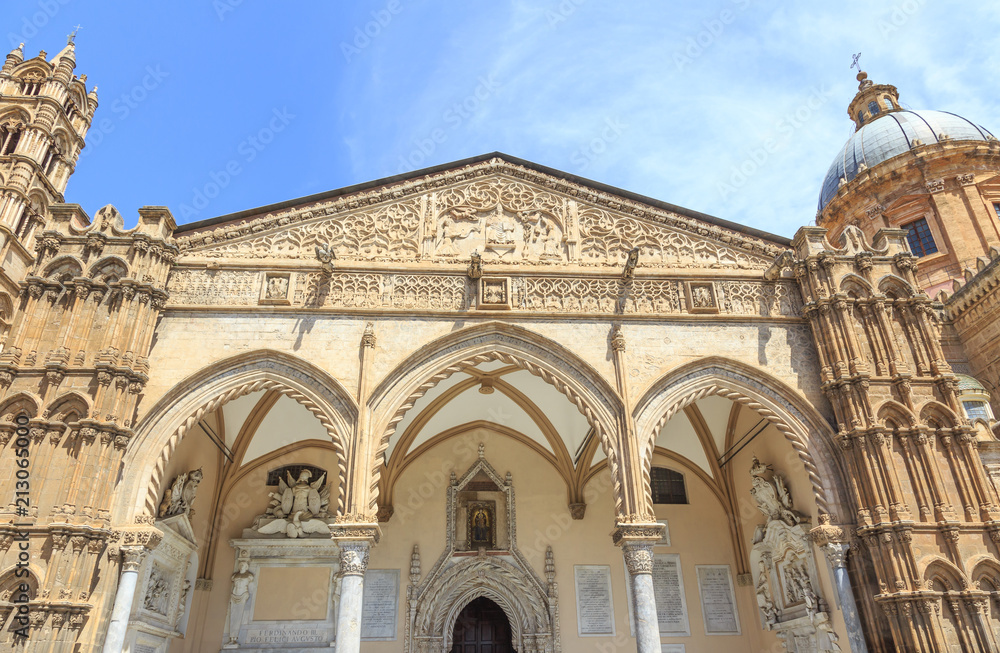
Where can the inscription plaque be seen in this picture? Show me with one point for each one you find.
(718, 600)
(379, 603)
(595, 615)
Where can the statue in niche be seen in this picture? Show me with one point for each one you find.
(298, 507)
(242, 579)
(480, 526)
(181, 494)
(772, 498)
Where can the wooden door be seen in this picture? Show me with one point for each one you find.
(482, 627)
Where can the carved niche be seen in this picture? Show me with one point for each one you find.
(785, 576)
(162, 601)
(481, 559)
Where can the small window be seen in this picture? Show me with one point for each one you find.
(996, 208)
(920, 238)
(873, 108)
(888, 104)
(667, 486)
(861, 116)
(976, 410)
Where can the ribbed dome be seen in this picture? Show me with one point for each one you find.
(890, 135)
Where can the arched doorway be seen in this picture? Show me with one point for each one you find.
(482, 627)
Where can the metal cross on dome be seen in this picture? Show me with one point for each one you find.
(856, 63)
(72, 36)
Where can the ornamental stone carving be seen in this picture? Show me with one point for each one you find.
(181, 494)
(300, 508)
(786, 580)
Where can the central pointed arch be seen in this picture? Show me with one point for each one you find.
(160, 431)
(583, 385)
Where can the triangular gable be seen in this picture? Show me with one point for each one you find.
(508, 213)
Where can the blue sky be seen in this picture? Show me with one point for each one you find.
(267, 102)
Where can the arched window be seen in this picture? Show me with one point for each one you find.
(667, 486)
(9, 136)
(873, 108)
(888, 104)
(861, 116)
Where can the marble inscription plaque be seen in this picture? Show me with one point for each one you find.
(595, 614)
(284, 635)
(718, 600)
(144, 648)
(668, 590)
(379, 604)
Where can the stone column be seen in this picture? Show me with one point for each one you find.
(639, 561)
(836, 553)
(132, 557)
(636, 541)
(355, 542)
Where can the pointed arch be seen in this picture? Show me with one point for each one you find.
(792, 415)
(895, 412)
(891, 283)
(590, 392)
(934, 411)
(856, 283)
(109, 266)
(22, 402)
(66, 404)
(943, 570)
(58, 269)
(160, 431)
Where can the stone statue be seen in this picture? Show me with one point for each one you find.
(772, 498)
(298, 507)
(325, 255)
(181, 494)
(242, 579)
(185, 590)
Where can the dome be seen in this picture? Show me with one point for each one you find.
(967, 383)
(892, 134)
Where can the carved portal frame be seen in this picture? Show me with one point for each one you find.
(503, 576)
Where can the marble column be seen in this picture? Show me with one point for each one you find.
(836, 553)
(353, 564)
(132, 557)
(639, 562)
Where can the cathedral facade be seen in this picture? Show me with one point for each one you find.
(491, 406)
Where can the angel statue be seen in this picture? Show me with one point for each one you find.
(772, 499)
(298, 507)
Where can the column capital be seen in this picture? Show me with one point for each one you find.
(354, 557)
(132, 557)
(836, 553)
(638, 557)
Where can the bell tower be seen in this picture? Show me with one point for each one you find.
(45, 112)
